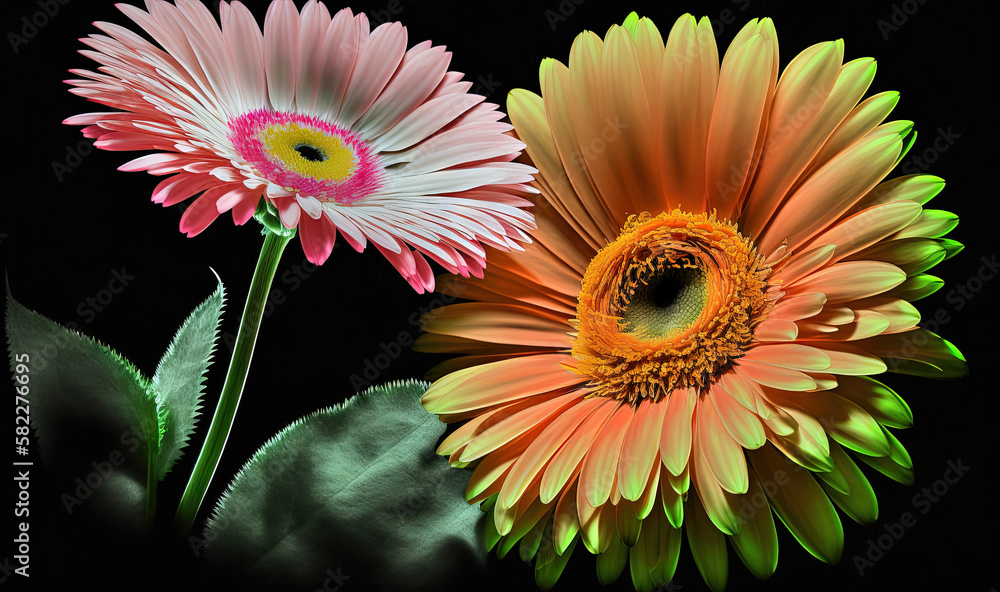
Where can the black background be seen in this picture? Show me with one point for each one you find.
(63, 235)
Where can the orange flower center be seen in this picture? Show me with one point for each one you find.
(668, 304)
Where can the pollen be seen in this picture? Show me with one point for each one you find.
(309, 152)
(668, 304)
(306, 155)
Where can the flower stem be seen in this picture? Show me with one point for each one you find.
(222, 422)
(151, 483)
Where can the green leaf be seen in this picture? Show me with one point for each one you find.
(180, 376)
(358, 482)
(98, 420)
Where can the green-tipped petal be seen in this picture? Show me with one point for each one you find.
(834, 479)
(531, 541)
(757, 543)
(673, 504)
(918, 188)
(951, 247)
(897, 452)
(670, 551)
(913, 255)
(566, 521)
(845, 422)
(491, 536)
(652, 536)
(611, 563)
(708, 546)
(808, 445)
(917, 287)
(547, 574)
(908, 140)
(638, 564)
(888, 467)
(930, 224)
(630, 22)
(859, 502)
(650, 498)
(535, 513)
(880, 401)
(918, 353)
(629, 525)
(931, 253)
(858, 123)
(801, 504)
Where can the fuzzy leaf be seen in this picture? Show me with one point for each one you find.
(355, 483)
(180, 376)
(94, 414)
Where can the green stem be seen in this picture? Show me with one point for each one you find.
(151, 482)
(222, 422)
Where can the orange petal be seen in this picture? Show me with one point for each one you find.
(499, 323)
(540, 451)
(688, 82)
(639, 450)
(597, 476)
(743, 425)
(852, 280)
(774, 376)
(515, 425)
(499, 382)
(723, 456)
(675, 439)
(746, 85)
(567, 460)
(833, 189)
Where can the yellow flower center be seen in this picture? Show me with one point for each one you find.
(668, 304)
(309, 152)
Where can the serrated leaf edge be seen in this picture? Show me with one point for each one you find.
(376, 391)
(183, 442)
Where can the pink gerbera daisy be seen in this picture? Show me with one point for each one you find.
(718, 272)
(327, 124)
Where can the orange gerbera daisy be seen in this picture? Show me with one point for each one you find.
(716, 275)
